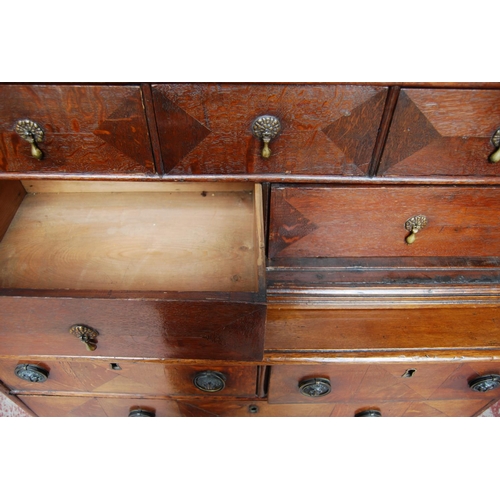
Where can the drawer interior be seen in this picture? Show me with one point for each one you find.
(131, 236)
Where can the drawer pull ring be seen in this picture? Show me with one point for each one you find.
(495, 157)
(414, 225)
(141, 413)
(266, 127)
(315, 387)
(86, 334)
(368, 413)
(485, 383)
(31, 373)
(209, 381)
(33, 133)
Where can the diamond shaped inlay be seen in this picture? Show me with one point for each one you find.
(125, 130)
(410, 132)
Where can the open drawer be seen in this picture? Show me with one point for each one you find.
(156, 269)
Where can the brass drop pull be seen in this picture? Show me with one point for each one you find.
(266, 127)
(86, 334)
(414, 225)
(495, 157)
(33, 133)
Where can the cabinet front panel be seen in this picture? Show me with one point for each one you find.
(132, 328)
(382, 329)
(372, 383)
(325, 129)
(86, 128)
(372, 222)
(128, 377)
(442, 132)
(68, 406)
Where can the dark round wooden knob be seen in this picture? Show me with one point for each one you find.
(141, 413)
(368, 413)
(315, 387)
(31, 373)
(209, 381)
(485, 383)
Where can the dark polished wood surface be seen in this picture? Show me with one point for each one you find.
(343, 296)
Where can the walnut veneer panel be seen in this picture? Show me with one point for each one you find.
(88, 129)
(442, 132)
(127, 377)
(369, 383)
(68, 406)
(326, 129)
(370, 221)
(134, 328)
(382, 329)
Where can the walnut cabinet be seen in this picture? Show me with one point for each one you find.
(250, 249)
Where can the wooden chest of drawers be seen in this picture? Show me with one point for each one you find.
(212, 249)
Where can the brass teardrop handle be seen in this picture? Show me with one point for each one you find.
(315, 387)
(33, 133)
(495, 157)
(86, 334)
(266, 128)
(414, 225)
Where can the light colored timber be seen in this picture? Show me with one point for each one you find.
(162, 240)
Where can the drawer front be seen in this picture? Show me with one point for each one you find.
(128, 377)
(442, 132)
(75, 406)
(86, 128)
(67, 406)
(371, 222)
(325, 129)
(348, 330)
(374, 383)
(133, 328)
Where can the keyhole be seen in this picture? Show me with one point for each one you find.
(409, 373)
(253, 408)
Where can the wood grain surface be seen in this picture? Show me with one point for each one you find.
(87, 128)
(344, 330)
(134, 328)
(370, 222)
(370, 383)
(168, 241)
(206, 128)
(127, 377)
(442, 132)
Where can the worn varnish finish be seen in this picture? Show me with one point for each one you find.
(75, 406)
(372, 383)
(133, 327)
(175, 279)
(442, 132)
(127, 377)
(88, 128)
(342, 330)
(370, 222)
(206, 128)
